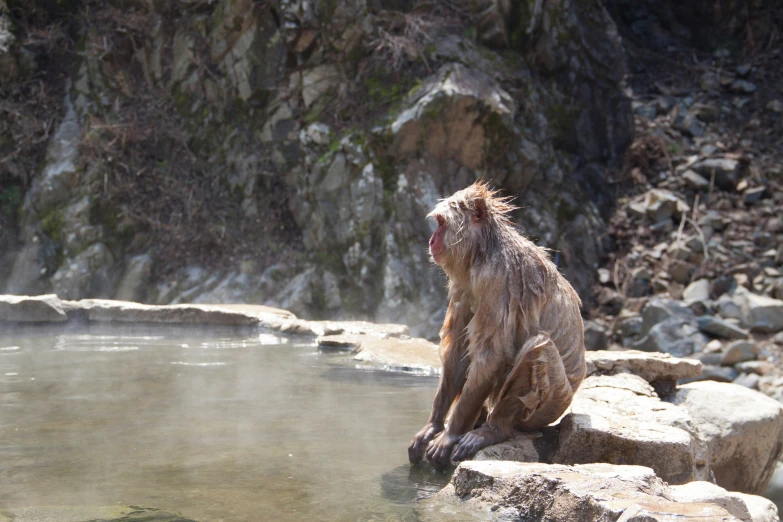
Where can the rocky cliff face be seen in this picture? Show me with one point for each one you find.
(286, 152)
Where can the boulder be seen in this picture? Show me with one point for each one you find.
(760, 509)
(504, 490)
(742, 428)
(619, 419)
(706, 492)
(27, 309)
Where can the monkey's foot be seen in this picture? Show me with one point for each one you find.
(475, 440)
(439, 450)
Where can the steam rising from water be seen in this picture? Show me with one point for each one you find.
(216, 425)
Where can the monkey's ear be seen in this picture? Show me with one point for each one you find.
(479, 213)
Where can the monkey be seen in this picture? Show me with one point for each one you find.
(512, 341)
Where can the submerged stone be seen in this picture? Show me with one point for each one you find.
(94, 514)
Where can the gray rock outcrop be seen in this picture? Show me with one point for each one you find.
(298, 121)
(503, 490)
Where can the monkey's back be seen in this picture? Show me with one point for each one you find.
(549, 304)
(562, 319)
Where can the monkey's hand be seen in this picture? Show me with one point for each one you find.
(420, 441)
(439, 450)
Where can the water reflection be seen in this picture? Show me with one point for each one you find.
(407, 484)
(219, 426)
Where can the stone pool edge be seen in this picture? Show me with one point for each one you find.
(376, 346)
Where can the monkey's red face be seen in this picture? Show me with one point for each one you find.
(437, 247)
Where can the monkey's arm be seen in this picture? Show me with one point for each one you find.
(451, 382)
(463, 417)
(452, 378)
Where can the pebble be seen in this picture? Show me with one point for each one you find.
(757, 367)
(748, 380)
(753, 195)
(699, 290)
(715, 373)
(744, 69)
(695, 181)
(742, 86)
(721, 328)
(739, 351)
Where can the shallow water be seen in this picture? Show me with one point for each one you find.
(218, 425)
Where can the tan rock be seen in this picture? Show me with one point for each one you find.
(618, 419)
(649, 366)
(411, 355)
(501, 490)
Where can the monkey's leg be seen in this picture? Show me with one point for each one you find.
(536, 392)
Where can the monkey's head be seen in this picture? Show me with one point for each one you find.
(466, 222)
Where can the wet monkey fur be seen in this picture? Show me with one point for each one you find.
(512, 342)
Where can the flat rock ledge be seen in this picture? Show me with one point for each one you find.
(505, 490)
(29, 309)
(650, 366)
(50, 309)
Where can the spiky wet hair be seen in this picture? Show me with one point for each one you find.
(474, 216)
(480, 199)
